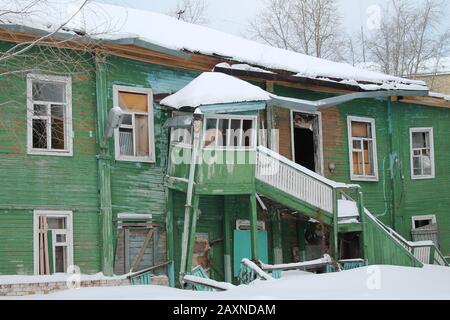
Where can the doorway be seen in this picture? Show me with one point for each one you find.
(53, 247)
(306, 142)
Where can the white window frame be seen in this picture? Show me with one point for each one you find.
(320, 165)
(68, 134)
(69, 235)
(183, 144)
(371, 121)
(151, 134)
(411, 149)
(231, 117)
(431, 217)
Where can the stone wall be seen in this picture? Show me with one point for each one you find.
(24, 289)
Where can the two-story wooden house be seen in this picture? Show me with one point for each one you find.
(274, 155)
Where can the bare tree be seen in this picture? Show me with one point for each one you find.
(192, 11)
(67, 47)
(408, 37)
(312, 27)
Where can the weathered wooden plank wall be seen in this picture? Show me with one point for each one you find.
(46, 182)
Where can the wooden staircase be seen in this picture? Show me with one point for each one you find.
(302, 190)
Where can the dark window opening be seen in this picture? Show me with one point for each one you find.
(422, 223)
(304, 148)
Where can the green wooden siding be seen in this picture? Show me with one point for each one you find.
(16, 242)
(400, 194)
(30, 182)
(139, 187)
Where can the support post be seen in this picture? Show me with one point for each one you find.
(254, 226)
(277, 240)
(301, 240)
(335, 225)
(227, 240)
(363, 220)
(170, 237)
(190, 191)
(104, 173)
(192, 232)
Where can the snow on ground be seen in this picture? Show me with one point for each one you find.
(369, 283)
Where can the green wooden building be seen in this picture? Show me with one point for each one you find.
(274, 156)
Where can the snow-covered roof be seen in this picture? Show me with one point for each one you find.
(439, 95)
(109, 22)
(215, 88)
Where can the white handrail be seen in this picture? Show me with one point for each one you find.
(286, 177)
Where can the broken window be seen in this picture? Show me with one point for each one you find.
(182, 135)
(49, 115)
(134, 138)
(230, 132)
(53, 243)
(422, 153)
(362, 145)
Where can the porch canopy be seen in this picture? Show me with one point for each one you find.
(215, 93)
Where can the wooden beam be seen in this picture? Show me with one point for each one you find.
(427, 101)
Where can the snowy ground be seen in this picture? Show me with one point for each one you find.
(370, 283)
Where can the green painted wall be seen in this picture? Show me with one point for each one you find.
(402, 195)
(31, 182)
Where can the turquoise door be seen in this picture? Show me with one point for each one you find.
(242, 248)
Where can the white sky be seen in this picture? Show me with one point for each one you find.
(232, 15)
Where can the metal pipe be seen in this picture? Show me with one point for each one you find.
(312, 106)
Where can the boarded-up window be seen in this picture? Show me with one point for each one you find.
(422, 153)
(134, 138)
(49, 114)
(362, 148)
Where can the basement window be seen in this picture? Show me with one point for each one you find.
(230, 132)
(362, 147)
(49, 114)
(134, 139)
(422, 153)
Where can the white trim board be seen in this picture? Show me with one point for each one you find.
(320, 165)
(354, 177)
(69, 239)
(151, 127)
(433, 167)
(68, 125)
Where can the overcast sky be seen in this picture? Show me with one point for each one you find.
(232, 15)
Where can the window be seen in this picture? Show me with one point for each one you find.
(362, 146)
(49, 115)
(53, 248)
(181, 136)
(230, 132)
(134, 140)
(422, 153)
(423, 221)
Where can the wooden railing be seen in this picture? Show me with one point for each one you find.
(293, 179)
(426, 252)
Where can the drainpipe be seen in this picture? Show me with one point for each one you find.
(393, 161)
(170, 238)
(197, 125)
(104, 173)
(227, 240)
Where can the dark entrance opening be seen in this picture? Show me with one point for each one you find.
(304, 148)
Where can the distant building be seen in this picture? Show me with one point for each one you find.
(437, 76)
